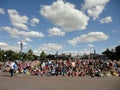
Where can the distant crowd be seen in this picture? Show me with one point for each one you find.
(70, 68)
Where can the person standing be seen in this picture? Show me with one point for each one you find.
(12, 68)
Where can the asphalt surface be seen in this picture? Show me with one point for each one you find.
(58, 83)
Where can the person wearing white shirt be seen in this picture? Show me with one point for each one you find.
(12, 68)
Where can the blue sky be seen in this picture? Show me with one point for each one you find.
(65, 26)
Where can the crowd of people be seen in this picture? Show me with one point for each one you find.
(73, 68)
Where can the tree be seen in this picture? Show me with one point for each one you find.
(107, 53)
(15, 56)
(51, 57)
(30, 54)
(1, 55)
(117, 52)
(43, 56)
(113, 54)
(9, 55)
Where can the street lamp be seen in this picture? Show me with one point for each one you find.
(4, 56)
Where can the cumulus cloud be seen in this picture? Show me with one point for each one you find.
(90, 45)
(34, 21)
(73, 53)
(2, 11)
(17, 20)
(51, 47)
(55, 32)
(27, 39)
(90, 37)
(3, 44)
(64, 15)
(86, 51)
(81, 52)
(6, 46)
(36, 52)
(106, 20)
(94, 7)
(16, 33)
(95, 12)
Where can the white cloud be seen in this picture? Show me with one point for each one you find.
(2, 11)
(51, 47)
(95, 12)
(17, 20)
(6, 46)
(55, 32)
(94, 7)
(106, 20)
(73, 42)
(73, 53)
(3, 44)
(34, 21)
(36, 52)
(86, 51)
(81, 52)
(90, 37)
(16, 33)
(27, 39)
(64, 15)
(90, 45)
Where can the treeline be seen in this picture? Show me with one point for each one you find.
(113, 54)
(11, 55)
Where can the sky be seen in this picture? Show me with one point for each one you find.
(63, 26)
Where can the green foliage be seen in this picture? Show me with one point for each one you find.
(1, 55)
(43, 56)
(30, 55)
(113, 54)
(11, 55)
(117, 49)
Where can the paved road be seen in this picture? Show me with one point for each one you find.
(58, 83)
